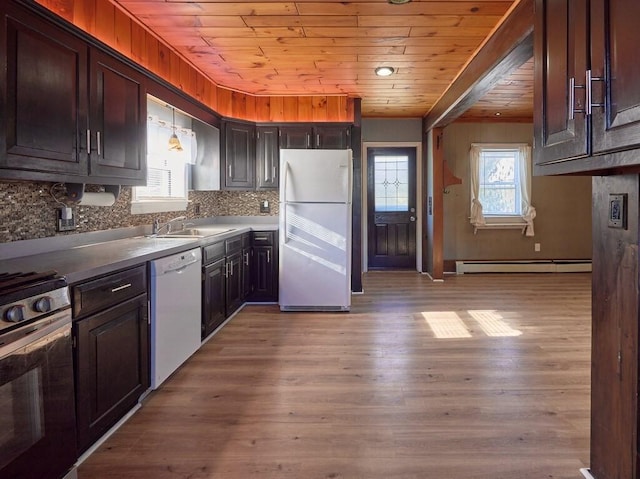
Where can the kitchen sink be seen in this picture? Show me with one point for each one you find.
(201, 232)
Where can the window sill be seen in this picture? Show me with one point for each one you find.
(506, 225)
(157, 206)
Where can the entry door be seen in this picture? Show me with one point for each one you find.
(391, 208)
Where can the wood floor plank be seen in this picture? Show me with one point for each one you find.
(479, 377)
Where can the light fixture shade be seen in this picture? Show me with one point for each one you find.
(398, 2)
(174, 143)
(384, 71)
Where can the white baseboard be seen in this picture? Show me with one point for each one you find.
(533, 266)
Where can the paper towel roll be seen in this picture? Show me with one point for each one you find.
(97, 199)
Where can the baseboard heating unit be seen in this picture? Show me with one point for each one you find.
(531, 266)
(585, 472)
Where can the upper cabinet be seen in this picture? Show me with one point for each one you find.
(117, 122)
(239, 159)
(68, 112)
(587, 107)
(333, 137)
(267, 157)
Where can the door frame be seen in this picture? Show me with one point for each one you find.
(419, 207)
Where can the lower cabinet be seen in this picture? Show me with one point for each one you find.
(111, 350)
(213, 296)
(265, 267)
(240, 269)
(112, 366)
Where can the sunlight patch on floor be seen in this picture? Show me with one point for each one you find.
(493, 324)
(446, 324)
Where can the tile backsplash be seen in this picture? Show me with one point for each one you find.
(29, 211)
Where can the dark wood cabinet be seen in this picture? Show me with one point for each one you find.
(306, 136)
(238, 163)
(43, 105)
(118, 120)
(265, 266)
(234, 289)
(111, 346)
(296, 137)
(61, 97)
(213, 297)
(587, 112)
(332, 137)
(247, 255)
(267, 157)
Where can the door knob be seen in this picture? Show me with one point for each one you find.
(412, 218)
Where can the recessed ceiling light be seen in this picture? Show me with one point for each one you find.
(384, 71)
(398, 2)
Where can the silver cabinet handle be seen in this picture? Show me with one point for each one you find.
(589, 94)
(88, 141)
(120, 288)
(246, 259)
(268, 256)
(308, 140)
(229, 171)
(98, 141)
(273, 172)
(318, 140)
(572, 94)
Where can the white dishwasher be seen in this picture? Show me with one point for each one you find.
(175, 312)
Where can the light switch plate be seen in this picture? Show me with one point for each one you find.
(617, 211)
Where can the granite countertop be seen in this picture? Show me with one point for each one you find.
(81, 262)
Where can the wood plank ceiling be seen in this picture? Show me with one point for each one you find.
(332, 47)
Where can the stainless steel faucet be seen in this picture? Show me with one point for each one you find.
(157, 227)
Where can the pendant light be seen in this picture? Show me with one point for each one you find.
(174, 142)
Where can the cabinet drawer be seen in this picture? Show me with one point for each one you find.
(264, 238)
(233, 244)
(101, 293)
(213, 252)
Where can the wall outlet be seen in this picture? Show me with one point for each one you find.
(264, 206)
(536, 247)
(66, 220)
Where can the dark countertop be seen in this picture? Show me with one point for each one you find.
(83, 262)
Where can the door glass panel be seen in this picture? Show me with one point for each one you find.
(391, 178)
(22, 418)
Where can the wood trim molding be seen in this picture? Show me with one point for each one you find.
(115, 28)
(508, 48)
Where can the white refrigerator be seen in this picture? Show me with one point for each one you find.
(315, 230)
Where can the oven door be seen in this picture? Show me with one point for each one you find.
(37, 409)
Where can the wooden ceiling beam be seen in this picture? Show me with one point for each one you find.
(509, 47)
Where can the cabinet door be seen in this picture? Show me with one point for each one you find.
(112, 366)
(561, 47)
(118, 122)
(43, 99)
(264, 274)
(213, 297)
(246, 273)
(267, 156)
(239, 158)
(615, 37)
(332, 137)
(234, 283)
(296, 137)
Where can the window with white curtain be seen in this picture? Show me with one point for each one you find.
(501, 187)
(166, 188)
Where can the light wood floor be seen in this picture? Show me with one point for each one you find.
(479, 377)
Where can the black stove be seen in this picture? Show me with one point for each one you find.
(25, 297)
